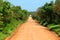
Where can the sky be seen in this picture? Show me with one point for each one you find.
(30, 5)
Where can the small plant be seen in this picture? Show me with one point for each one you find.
(55, 28)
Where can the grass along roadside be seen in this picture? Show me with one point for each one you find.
(9, 28)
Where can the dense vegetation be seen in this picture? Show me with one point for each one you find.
(49, 16)
(10, 17)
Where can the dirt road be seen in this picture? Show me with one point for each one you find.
(31, 30)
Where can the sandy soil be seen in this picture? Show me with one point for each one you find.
(31, 30)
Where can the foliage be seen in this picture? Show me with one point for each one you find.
(9, 28)
(10, 17)
(48, 16)
(9, 12)
(55, 28)
(57, 6)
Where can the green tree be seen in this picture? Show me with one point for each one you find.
(46, 12)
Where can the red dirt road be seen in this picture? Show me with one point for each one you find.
(31, 30)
